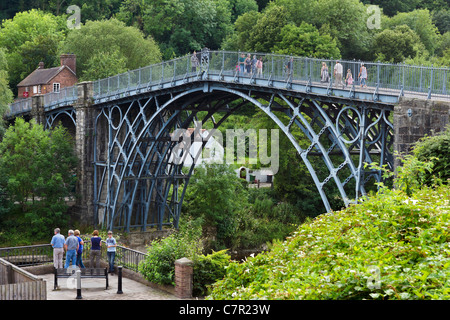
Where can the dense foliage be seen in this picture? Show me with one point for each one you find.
(392, 245)
(37, 173)
(159, 265)
(436, 149)
(234, 216)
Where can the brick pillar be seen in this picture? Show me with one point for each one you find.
(415, 118)
(183, 278)
(84, 150)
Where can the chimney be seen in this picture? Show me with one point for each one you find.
(41, 65)
(69, 60)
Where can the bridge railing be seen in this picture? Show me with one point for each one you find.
(395, 78)
(19, 106)
(41, 254)
(65, 96)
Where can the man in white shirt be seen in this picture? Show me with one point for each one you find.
(338, 71)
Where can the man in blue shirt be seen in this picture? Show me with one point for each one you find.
(58, 248)
(71, 246)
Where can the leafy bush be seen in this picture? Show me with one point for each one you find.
(390, 246)
(159, 265)
(208, 269)
(37, 173)
(437, 150)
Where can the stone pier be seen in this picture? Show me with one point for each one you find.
(415, 119)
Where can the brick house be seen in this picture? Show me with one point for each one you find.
(42, 81)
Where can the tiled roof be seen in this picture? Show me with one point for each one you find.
(41, 76)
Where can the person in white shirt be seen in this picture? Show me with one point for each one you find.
(338, 70)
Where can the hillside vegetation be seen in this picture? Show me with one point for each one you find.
(392, 245)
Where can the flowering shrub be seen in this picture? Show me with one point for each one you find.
(391, 246)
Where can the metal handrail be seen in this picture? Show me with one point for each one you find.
(43, 253)
(390, 78)
(381, 76)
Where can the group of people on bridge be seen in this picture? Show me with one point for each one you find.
(248, 66)
(338, 75)
(74, 244)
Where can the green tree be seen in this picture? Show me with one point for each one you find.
(392, 7)
(420, 21)
(6, 95)
(397, 45)
(441, 19)
(266, 33)
(181, 26)
(239, 7)
(105, 64)
(216, 194)
(344, 20)
(28, 38)
(306, 41)
(111, 39)
(37, 171)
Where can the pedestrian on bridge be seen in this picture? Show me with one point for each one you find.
(71, 246)
(241, 61)
(58, 248)
(259, 66)
(349, 78)
(324, 75)
(338, 71)
(248, 65)
(363, 75)
(194, 62)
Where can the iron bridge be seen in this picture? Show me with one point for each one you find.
(136, 182)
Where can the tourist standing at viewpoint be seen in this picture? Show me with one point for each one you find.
(71, 246)
(194, 62)
(259, 66)
(254, 61)
(349, 78)
(111, 251)
(363, 75)
(248, 65)
(58, 248)
(288, 66)
(241, 61)
(96, 243)
(338, 70)
(79, 262)
(324, 76)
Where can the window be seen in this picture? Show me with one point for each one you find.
(56, 87)
(34, 89)
(39, 88)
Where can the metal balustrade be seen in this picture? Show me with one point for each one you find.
(395, 79)
(41, 254)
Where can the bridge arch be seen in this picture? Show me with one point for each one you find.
(137, 177)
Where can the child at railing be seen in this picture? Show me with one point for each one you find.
(349, 78)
